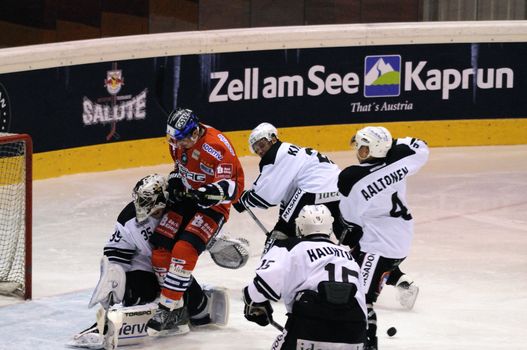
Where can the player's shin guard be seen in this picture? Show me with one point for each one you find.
(179, 276)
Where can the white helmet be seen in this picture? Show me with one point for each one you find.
(314, 219)
(262, 131)
(377, 138)
(149, 195)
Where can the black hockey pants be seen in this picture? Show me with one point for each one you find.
(321, 318)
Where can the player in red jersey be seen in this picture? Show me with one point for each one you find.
(207, 177)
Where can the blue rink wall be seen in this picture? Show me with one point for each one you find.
(105, 107)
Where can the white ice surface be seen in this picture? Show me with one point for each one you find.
(469, 258)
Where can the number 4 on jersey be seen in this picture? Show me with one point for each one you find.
(398, 208)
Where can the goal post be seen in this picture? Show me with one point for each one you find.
(16, 151)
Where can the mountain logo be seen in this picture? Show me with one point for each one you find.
(382, 76)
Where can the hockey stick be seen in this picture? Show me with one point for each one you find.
(269, 241)
(256, 220)
(275, 324)
(212, 197)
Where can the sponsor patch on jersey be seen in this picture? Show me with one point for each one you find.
(224, 170)
(207, 170)
(187, 174)
(382, 76)
(195, 154)
(184, 159)
(326, 197)
(202, 226)
(291, 206)
(212, 151)
(169, 224)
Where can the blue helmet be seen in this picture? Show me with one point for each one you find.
(181, 123)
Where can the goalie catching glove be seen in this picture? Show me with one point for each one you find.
(227, 252)
(259, 313)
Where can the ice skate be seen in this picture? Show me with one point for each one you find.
(371, 344)
(407, 292)
(166, 322)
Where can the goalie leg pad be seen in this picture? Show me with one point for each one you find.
(133, 322)
(217, 307)
(128, 323)
(111, 286)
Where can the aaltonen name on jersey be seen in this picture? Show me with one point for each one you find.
(383, 182)
(317, 253)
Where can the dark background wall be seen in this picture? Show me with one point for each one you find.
(27, 22)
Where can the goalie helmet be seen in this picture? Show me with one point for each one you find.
(262, 131)
(314, 219)
(149, 195)
(377, 138)
(181, 123)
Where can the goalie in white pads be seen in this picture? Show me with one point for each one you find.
(373, 197)
(128, 286)
(319, 283)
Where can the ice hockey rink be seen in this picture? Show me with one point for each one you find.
(469, 257)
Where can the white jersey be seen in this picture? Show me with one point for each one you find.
(373, 195)
(287, 170)
(296, 265)
(129, 246)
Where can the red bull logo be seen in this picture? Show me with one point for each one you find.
(114, 81)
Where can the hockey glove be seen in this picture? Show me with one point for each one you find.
(209, 195)
(259, 313)
(351, 233)
(240, 204)
(175, 188)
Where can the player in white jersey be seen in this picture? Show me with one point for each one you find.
(319, 283)
(291, 176)
(373, 203)
(127, 275)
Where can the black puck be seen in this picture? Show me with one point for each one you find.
(391, 331)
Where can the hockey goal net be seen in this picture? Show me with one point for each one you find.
(15, 214)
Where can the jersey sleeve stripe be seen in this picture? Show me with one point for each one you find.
(256, 201)
(265, 289)
(123, 256)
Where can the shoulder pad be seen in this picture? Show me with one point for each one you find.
(349, 177)
(398, 152)
(288, 243)
(126, 214)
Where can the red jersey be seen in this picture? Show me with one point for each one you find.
(211, 159)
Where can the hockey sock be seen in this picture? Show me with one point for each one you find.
(179, 276)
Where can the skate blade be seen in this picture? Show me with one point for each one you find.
(179, 330)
